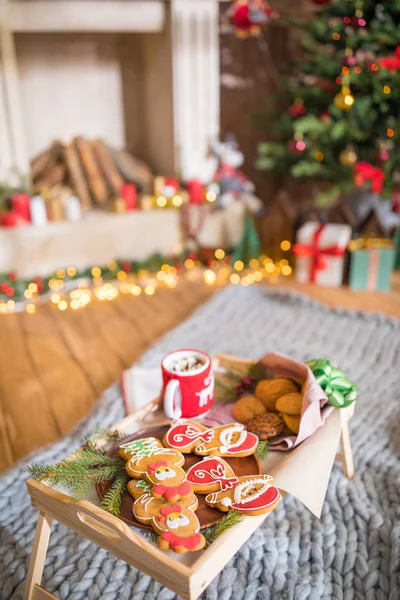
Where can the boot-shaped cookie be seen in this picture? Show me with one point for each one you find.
(253, 495)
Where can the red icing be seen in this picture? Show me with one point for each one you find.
(170, 492)
(211, 470)
(154, 466)
(167, 510)
(250, 442)
(184, 434)
(270, 496)
(175, 541)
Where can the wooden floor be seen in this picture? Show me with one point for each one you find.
(54, 365)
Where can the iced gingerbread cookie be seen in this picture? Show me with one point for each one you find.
(142, 447)
(163, 471)
(212, 474)
(176, 524)
(253, 495)
(225, 440)
(138, 487)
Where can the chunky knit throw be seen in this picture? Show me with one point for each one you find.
(352, 552)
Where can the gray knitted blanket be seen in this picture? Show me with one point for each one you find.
(352, 552)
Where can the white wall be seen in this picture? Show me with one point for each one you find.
(70, 85)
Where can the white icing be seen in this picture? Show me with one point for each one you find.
(226, 501)
(175, 522)
(165, 473)
(226, 435)
(243, 487)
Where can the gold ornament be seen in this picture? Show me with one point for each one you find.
(348, 157)
(344, 100)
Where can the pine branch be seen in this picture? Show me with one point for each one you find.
(228, 395)
(101, 433)
(230, 519)
(79, 473)
(262, 449)
(113, 499)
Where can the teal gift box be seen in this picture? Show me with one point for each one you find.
(371, 264)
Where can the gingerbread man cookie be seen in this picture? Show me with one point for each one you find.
(162, 469)
(212, 474)
(253, 495)
(138, 487)
(225, 440)
(177, 524)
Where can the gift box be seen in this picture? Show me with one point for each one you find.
(371, 264)
(320, 252)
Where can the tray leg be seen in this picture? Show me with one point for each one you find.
(39, 550)
(347, 453)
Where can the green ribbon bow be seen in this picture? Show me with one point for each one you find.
(341, 392)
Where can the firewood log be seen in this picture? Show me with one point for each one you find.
(93, 174)
(42, 163)
(51, 178)
(107, 166)
(133, 169)
(77, 176)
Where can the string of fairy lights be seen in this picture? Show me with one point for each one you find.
(74, 294)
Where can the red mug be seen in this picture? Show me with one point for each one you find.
(187, 393)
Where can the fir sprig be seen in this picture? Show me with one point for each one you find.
(100, 433)
(230, 519)
(81, 471)
(262, 449)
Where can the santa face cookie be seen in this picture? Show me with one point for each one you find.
(177, 524)
(212, 474)
(225, 440)
(142, 447)
(253, 495)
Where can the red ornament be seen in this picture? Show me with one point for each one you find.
(20, 204)
(129, 195)
(364, 172)
(178, 266)
(12, 276)
(196, 191)
(297, 109)
(296, 146)
(11, 219)
(192, 255)
(382, 156)
(126, 266)
(39, 283)
(391, 63)
(349, 61)
(3, 287)
(10, 292)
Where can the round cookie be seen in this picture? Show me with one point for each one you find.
(266, 425)
(293, 422)
(269, 390)
(290, 404)
(246, 408)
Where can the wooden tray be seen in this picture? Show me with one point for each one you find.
(188, 575)
(208, 516)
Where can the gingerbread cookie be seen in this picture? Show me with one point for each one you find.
(225, 440)
(142, 447)
(266, 426)
(253, 495)
(163, 471)
(177, 524)
(211, 474)
(246, 408)
(269, 390)
(138, 487)
(184, 435)
(290, 404)
(292, 422)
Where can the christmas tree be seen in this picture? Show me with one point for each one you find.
(342, 126)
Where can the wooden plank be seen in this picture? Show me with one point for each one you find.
(84, 15)
(40, 593)
(23, 397)
(68, 392)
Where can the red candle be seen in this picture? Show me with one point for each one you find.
(196, 191)
(20, 205)
(129, 194)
